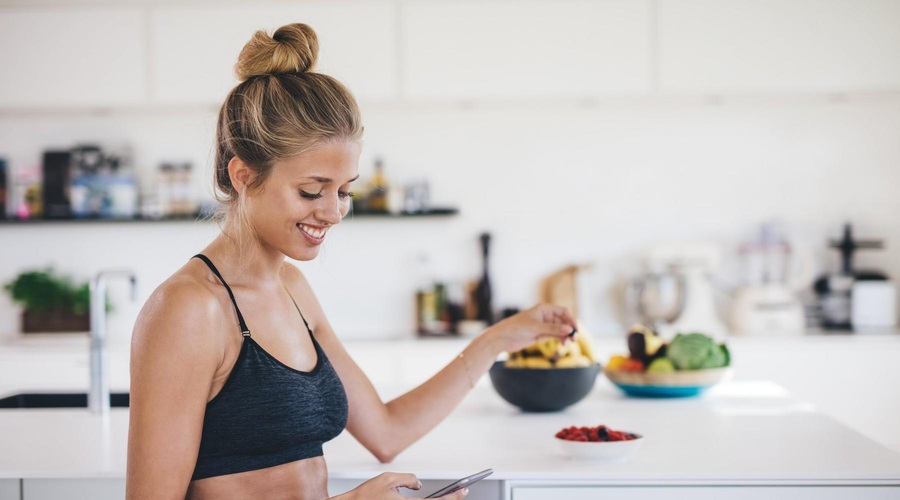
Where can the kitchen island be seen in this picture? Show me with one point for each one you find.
(746, 438)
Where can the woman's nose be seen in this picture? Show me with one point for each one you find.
(330, 210)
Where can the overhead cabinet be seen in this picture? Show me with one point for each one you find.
(107, 56)
(513, 49)
(194, 49)
(779, 46)
(72, 57)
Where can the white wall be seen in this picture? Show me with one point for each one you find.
(555, 183)
(681, 147)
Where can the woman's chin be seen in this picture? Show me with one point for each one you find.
(303, 254)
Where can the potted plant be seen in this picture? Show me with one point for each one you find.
(52, 303)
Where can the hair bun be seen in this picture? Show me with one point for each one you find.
(293, 48)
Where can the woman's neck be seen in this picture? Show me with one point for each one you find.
(245, 258)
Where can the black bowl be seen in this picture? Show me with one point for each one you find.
(543, 389)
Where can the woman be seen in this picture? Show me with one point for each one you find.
(236, 375)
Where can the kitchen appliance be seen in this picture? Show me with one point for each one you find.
(835, 291)
(874, 306)
(675, 292)
(768, 303)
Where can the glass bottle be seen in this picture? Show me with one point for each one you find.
(483, 290)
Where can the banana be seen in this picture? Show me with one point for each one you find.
(573, 362)
(552, 353)
(528, 363)
(550, 348)
(586, 343)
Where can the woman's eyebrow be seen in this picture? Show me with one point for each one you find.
(326, 180)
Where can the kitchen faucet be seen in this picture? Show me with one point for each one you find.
(98, 396)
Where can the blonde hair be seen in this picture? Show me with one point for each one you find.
(281, 109)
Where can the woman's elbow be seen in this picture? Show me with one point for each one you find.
(384, 454)
(385, 457)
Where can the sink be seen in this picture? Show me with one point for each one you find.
(59, 400)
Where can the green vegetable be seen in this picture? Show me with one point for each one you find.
(718, 357)
(661, 365)
(696, 351)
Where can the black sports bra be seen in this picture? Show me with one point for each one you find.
(268, 413)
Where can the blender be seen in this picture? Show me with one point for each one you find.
(768, 303)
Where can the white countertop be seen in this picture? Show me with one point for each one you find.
(741, 432)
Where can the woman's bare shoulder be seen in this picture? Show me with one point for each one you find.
(183, 313)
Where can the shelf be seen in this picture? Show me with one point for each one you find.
(92, 220)
(435, 212)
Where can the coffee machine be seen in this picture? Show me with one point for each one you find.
(675, 293)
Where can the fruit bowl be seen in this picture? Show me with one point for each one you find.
(543, 389)
(685, 383)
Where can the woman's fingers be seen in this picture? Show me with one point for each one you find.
(558, 315)
(402, 480)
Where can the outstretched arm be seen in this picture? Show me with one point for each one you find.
(386, 429)
(409, 417)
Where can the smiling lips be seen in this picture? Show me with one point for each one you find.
(315, 233)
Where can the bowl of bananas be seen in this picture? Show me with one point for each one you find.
(547, 376)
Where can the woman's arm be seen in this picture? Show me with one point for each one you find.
(386, 429)
(174, 355)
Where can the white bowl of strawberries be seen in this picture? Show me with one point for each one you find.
(598, 443)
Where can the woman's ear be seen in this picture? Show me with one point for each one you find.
(240, 174)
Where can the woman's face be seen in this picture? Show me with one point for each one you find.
(303, 198)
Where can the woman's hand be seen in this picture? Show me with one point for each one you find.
(529, 326)
(387, 487)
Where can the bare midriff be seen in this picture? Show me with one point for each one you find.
(299, 480)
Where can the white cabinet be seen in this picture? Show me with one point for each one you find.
(73, 489)
(71, 57)
(194, 48)
(706, 493)
(779, 46)
(9, 489)
(512, 49)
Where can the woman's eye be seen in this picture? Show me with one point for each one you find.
(310, 196)
(345, 194)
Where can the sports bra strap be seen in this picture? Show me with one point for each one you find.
(301, 314)
(244, 330)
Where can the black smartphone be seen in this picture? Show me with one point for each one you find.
(462, 483)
